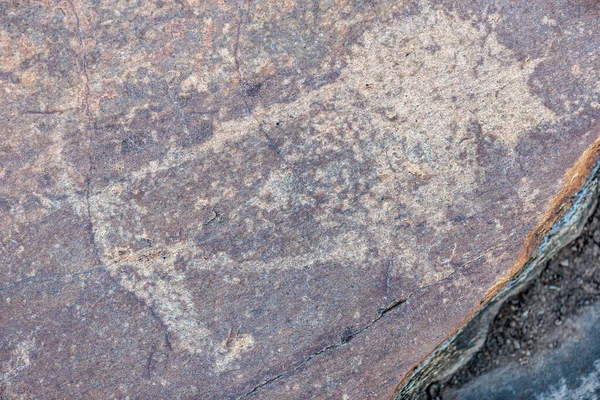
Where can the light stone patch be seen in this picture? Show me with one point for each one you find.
(20, 359)
(157, 283)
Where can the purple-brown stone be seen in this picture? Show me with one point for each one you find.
(275, 199)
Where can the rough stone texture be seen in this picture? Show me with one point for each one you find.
(570, 372)
(225, 199)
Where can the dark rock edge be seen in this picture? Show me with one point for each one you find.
(458, 349)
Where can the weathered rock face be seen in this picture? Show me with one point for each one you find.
(224, 199)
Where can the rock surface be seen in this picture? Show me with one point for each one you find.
(232, 199)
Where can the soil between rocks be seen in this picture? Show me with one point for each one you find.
(527, 323)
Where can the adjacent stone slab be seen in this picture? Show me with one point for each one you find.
(227, 199)
(569, 372)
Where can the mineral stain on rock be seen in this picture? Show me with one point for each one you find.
(274, 200)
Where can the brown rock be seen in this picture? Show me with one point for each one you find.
(227, 199)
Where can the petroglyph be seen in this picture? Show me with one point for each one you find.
(152, 276)
(444, 88)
